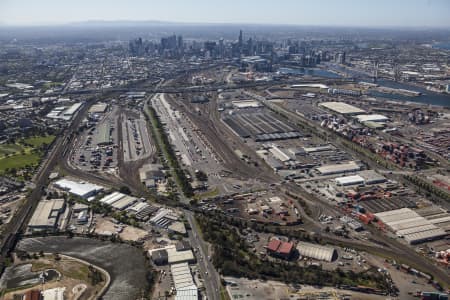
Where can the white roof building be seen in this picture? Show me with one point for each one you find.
(410, 225)
(54, 294)
(81, 189)
(349, 180)
(372, 118)
(338, 168)
(175, 257)
(342, 108)
(318, 252)
(183, 281)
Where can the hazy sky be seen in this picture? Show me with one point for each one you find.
(373, 13)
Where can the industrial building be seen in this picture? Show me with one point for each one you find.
(363, 177)
(80, 189)
(163, 218)
(173, 255)
(63, 113)
(150, 173)
(72, 110)
(349, 180)
(47, 215)
(372, 118)
(279, 154)
(160, 257)
(310, 150)
(241, 104)
(118, 200)
(98, 108)
(409, 225)
(183, 281)
(339, 168)
(54, 293)
(280, 248)
(371, 177)
(318, 252)
(342, 108)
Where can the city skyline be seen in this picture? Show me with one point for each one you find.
(418, 13)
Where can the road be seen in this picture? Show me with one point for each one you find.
(209, 274)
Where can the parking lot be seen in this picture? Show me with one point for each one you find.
(96, 147)
(135, 137)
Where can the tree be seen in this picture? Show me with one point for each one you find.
(125, 190)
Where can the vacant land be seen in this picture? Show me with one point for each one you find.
(24, 275)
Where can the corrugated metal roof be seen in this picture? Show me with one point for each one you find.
(318, 252)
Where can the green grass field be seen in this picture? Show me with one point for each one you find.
(18, 155)
(6, 149)
(37, 141)
(18, 161)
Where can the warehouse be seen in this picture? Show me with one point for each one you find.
(410, 225)
(72, 110)
(279, 248)
(279, 154)
(47, 215)
(183, 282)
(98, 108)
(372, 177)
(342, 108)
(175, 257)
(317, 252)
(372, 118)
(339, 168)
(118, 200)
(124, 202)
(349, 180)
(246, 104)
(310, 150)
(81, 189)
(159, 257)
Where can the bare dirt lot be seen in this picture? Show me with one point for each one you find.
(128, 280)
(73, 273)
(126, 233)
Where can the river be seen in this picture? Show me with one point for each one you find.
(427, 97)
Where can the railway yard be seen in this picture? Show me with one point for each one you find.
(309, 176)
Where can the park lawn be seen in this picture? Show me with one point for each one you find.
(19, 161)
(6, 149)
(37, 141)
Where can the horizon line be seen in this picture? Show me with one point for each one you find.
(167, 22)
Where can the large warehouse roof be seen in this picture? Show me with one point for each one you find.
(342, 108)
(179, 256)
(47, 214)
(81, 189)
(409, 224)
(183, 281)
(339, 168)
(118, 200)
(370, 177)
(372, 118)
(349, 180)
(98, 108)
(314, 251)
